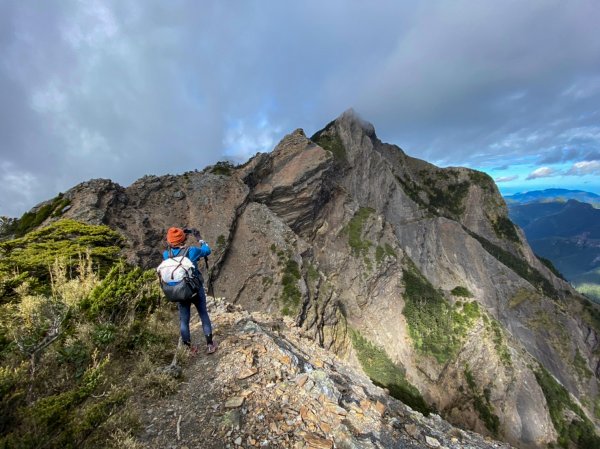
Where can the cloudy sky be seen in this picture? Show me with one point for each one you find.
(120, 89)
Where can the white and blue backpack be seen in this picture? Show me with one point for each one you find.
(178, 277)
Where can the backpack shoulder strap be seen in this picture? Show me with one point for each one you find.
(180, 254)
(185, 251)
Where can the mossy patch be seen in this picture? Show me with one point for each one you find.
(522, 296)
(385, 373)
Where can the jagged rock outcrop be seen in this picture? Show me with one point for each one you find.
(270, 386)
(354, 239)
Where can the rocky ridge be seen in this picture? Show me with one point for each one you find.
(350, 236)
(270, 386)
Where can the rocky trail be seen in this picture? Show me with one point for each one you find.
(269, 386)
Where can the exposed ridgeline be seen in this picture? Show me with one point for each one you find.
(365, 246)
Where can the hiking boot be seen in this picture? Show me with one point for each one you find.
(211, 347)
(193, 349)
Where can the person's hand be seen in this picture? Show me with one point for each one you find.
(202, 242)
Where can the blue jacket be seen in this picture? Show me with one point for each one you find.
(194, 254)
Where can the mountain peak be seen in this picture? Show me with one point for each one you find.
(350, 119)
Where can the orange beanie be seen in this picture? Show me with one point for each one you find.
(175, 236)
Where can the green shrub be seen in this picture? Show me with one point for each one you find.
(449, 198)
(429, 317)
(329, 140)
(551, 267)
(31, 220)
(355, 229)
(124, 288)
(436, 327)
(221, 242)
(379, 254)
(53, 392)
(483, 180)
(67, 240)
(222, 168)
(385, 373)
(390, 251)
(462, 292)
(291, 295)
(498, 338)
(504, 228)
(578, 433)
(482, 403)
(77, 355)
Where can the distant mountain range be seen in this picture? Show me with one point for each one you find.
(564, 231)
(553, 195)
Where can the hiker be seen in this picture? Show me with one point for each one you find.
(176, 239)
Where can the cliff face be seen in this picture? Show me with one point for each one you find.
(358, 242)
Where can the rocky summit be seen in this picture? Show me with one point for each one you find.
(410, 272)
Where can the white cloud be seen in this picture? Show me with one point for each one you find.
(242, 140)
(585, 168)
(542, 172)
(103, 88)
(507, 178)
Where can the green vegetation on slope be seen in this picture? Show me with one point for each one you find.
(450, 198)
(550, 266)
(483, 180)
(290, 296)
(75, 343)
(31, 220)
(578, 432)
(355, 229)
(504, 228)
(385, 373)
(329, 140)
(436, 327)
(222, 168)
(462, 292)
(28, 257)
(482, 403)
(518, 265)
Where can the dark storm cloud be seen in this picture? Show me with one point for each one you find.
(122, 89)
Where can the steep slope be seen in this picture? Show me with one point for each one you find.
(358, 242)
